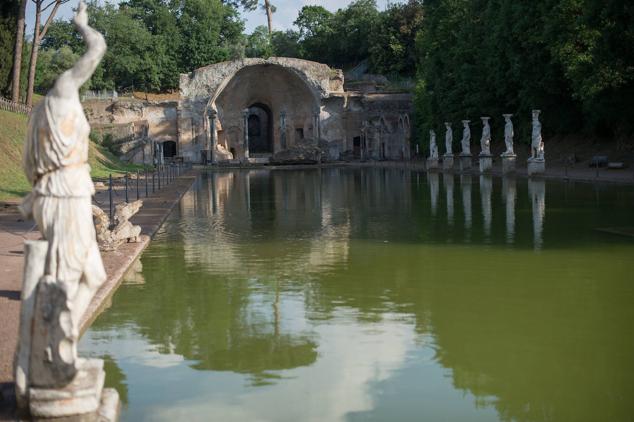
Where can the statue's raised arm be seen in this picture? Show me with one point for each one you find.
(77, 75)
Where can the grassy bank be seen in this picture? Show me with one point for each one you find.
(13, 183)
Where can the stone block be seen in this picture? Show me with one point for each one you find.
(486, 163)
(447, 162)
(508, 164)
(81, 396)
(432, 164)
(536, 167)
(465, 163)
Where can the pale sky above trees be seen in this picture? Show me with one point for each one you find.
(282, 19)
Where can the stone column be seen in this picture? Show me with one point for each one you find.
(283, 130)
(212, 115)
(245, 146)
(316, 126)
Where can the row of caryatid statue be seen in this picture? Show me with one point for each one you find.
(536, 162)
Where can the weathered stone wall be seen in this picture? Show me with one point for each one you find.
(135, 124)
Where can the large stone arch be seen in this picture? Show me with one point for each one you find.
(296, 87)
(279, 90)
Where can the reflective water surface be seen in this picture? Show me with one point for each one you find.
(378, 294)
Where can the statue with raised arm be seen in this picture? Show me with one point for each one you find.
(485, 140)
(537, 143)
(466, 138)
(508, 136)
(63, 270)
(433, 148)
(448, 139)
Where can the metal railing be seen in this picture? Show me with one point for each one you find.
(146, 182)
(12, 106)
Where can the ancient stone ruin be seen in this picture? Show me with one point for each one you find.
(111, 235)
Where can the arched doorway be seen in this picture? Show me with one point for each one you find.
(169, 149)
(260, 129)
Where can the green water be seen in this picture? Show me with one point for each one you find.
(380, 295)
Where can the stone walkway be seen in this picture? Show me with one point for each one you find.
(14, 230)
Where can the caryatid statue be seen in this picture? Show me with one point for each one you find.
(485, 140)
(537, 143)
(68, 270)
(508, 136)
(448, 139)
(433, 148)
(466, 138)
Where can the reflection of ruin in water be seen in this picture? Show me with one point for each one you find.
(292, 278)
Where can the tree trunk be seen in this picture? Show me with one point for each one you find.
(17, 54)
(38, 35)
(269, 15)
(35, 47)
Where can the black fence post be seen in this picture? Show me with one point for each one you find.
(158, 168)
(110, 196)
(137, 185)
(126, 187)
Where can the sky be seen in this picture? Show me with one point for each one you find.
(283, 19)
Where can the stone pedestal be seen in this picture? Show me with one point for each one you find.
(536, 166)
(486, 163)
(508, 163)
(447, 162)
(465, 163)
(432, 164)
(84, 398)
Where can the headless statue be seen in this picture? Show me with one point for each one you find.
(56, 165)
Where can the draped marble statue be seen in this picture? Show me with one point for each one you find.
(485, 140)
(466, 138)
(508, 136)
(433, 148)
(537, 143)
(448, 139)
(64, 269)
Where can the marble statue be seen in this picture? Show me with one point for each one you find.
(466, 138)
(433, 148)
(448, 139)
(508, 136)
(485, 140)
(537, 143)
(63, 270)
(110, 238)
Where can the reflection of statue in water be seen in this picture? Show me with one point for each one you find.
(537, 143)
(56, 165)
(508, 136)
(466, 138)
(433, 148)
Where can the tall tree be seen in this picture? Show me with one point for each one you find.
(17, 52)
(8, 13)
(269, 9)
(38, 33)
